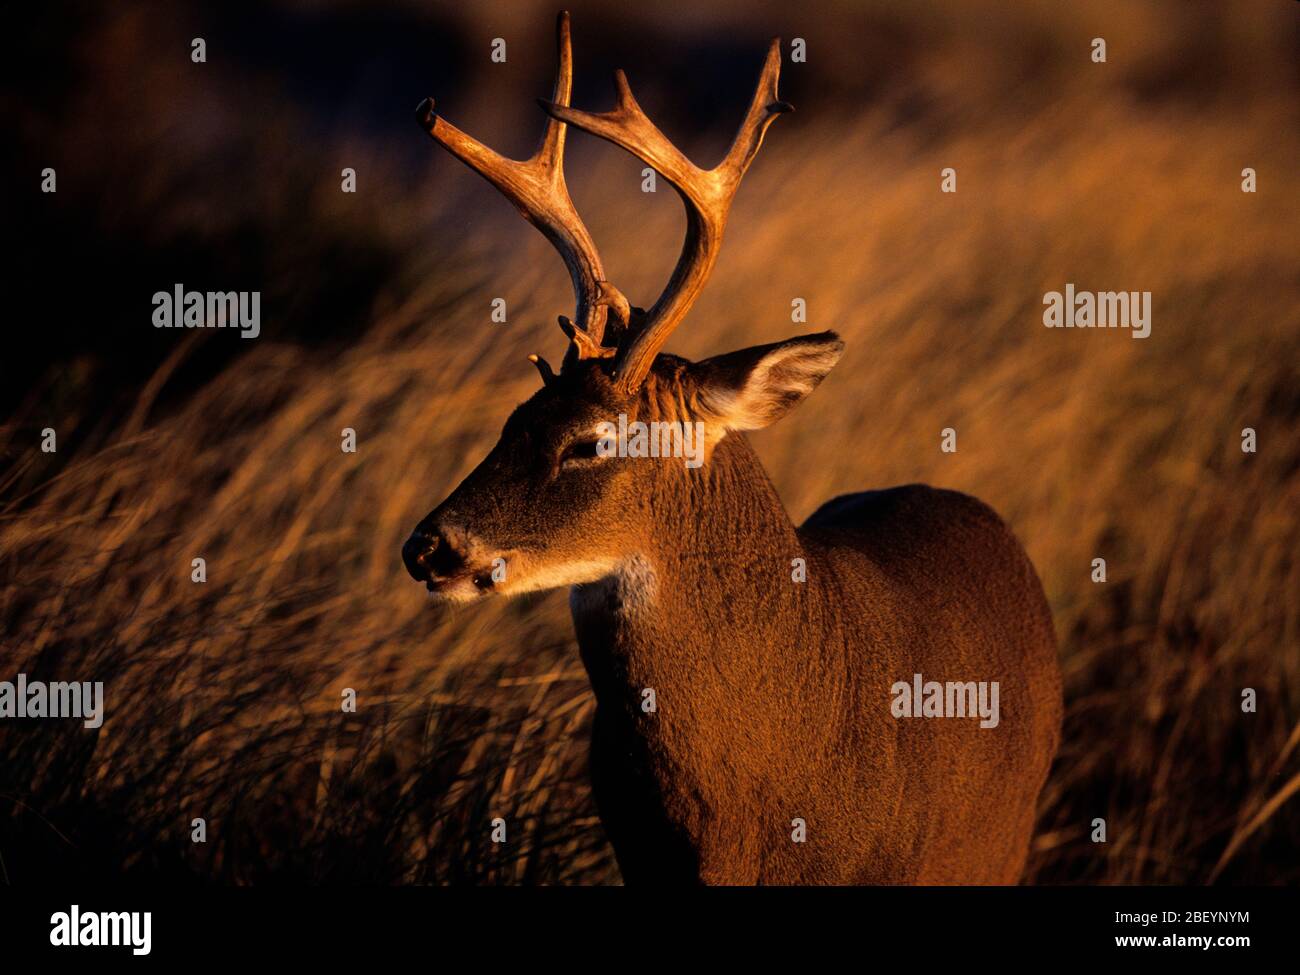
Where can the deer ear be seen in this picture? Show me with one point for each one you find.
(754, 387)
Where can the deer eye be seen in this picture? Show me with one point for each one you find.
(579, 454)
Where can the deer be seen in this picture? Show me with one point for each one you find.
(773, 751)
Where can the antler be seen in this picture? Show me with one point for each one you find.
(706, 194)
(536, 187)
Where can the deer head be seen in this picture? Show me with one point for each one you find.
(547, 507)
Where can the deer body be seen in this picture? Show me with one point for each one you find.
(772, 696)
(772, 693)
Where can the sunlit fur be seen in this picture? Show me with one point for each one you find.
(772, 695)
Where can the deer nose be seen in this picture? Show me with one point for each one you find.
(430, 556)
(417, 553)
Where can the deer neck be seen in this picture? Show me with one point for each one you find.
(707, 605)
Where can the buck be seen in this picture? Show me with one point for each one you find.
(771, 754)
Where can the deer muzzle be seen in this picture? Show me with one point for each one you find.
(444, 566)
(430, 557)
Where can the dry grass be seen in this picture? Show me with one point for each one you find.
(223, 698)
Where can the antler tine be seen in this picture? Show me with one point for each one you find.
(543, 367)
(537, 189)
(706, 194)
